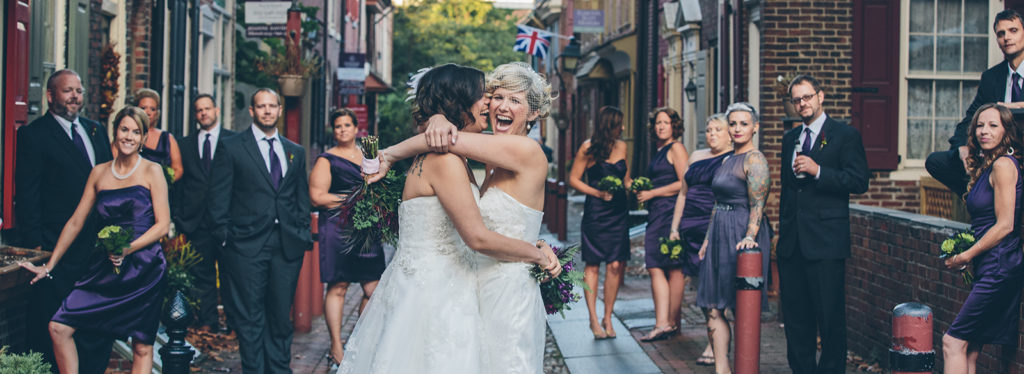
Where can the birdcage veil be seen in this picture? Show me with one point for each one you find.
(520, 77)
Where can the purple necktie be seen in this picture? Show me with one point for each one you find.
(806, 149)
(1016, 93)
(207, 152)
(79, 143)
(275, 164)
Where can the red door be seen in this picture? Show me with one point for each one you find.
(875, 84)
(15, 96)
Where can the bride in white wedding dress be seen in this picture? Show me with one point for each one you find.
(512, 316)
(424, 316)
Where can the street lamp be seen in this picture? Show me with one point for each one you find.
(570, 56)
(691, 91)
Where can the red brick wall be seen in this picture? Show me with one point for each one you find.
(140, 19)
(886, 193)
(894, 261)
(94, 76)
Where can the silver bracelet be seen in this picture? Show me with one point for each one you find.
(747, 238)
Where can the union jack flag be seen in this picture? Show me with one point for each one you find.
(532, 41)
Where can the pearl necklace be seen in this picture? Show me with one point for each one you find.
(113, 169)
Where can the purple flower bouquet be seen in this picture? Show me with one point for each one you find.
(558, 293)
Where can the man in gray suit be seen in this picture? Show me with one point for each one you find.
(259, 201)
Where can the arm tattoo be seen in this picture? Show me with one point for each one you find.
(758, 182)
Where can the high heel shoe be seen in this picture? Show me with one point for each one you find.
(333, 363)
(608, 329)
(598, 332)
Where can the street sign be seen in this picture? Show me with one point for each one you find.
(351, 87)
(588, 21)
(266, 19)
(352, 67)
(362, 119)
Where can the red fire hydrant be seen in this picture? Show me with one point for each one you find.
(749, 285)
(912, 350)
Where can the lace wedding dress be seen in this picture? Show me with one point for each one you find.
(424, 316)
(511, 309)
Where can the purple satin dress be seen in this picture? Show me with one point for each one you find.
(126, 304)
(162, 153)
(727, 228)
(693, 226)
(991, 313)
(346, 255)
(605, 226)
(659, 212)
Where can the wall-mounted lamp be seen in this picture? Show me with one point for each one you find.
(691, 91)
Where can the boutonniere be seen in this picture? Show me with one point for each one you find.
(824, 141)
(92, 133)
(291, 157)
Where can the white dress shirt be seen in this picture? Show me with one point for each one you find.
(265, 149)
(815, 127)
(1009, 81)
(214, 135)
(64, 123)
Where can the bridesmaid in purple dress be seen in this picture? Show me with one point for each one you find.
(692, 212)
(160, 146)
(128, 191)
(737, 222)
(605, 229)
(991, 313)
(665, 171)
(345, 255)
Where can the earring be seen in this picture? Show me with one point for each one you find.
(1010, 151)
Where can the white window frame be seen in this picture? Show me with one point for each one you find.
(914, 169)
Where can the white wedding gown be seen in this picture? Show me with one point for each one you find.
(511, 309)
(424, 316)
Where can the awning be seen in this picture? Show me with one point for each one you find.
(596, 66)
(375, 84)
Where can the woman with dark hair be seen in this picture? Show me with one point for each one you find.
(346, 255)
(424, 316)
(160, 147)
(120, 295)
(666, 173)
(605, 230)
(692, 212)
(741, 188)
(991, 313)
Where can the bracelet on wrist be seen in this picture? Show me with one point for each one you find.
(748, 237)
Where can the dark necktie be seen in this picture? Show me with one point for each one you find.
(806, 149)
(207, 153)
(79, 143)
(1016, 93)
(275, 164)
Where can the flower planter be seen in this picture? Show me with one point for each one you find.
(292, 85)
(14, 291)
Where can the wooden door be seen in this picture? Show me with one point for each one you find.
(15, 78)
(875, 84)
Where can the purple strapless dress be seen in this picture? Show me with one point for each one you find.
(126, 304)
(162, 153)
(659, 212)
(693, 226)
(346, 255)
(605, 226)
(991, 313)
(732, 212)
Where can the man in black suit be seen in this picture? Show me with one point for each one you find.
(55, 154)
(259, 201)
(823, 162)
(191, 213)
(1002, 83)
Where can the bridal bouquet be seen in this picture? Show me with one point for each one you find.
(610, 183)
(374, 206)
(672, 248)
(641, 184)
(558, 293)
(957, 244)
(114, 240)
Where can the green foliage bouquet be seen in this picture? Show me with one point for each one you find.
(610, 183)
(641, 184)
(113, 240)
(374, 207)
(957, 244)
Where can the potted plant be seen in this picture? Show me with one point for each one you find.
(291, 76)
(782, 91)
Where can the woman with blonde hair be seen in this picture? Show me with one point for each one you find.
(160, 147)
